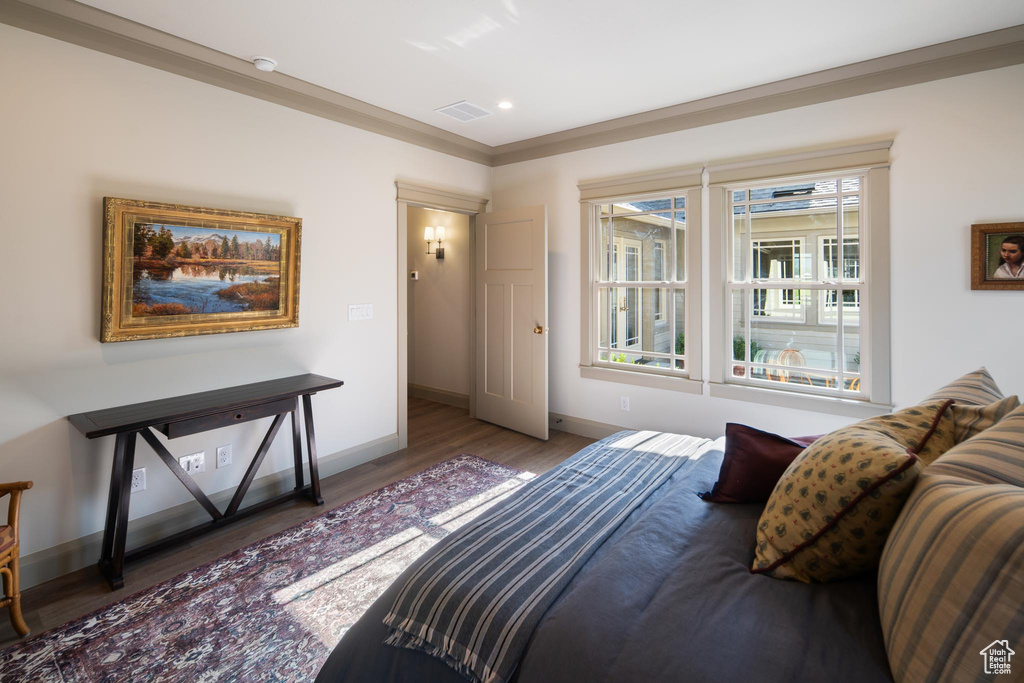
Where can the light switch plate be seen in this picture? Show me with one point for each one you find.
(360, 311)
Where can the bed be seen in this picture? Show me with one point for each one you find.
(668, 596)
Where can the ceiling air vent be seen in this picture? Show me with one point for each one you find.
(464, 111)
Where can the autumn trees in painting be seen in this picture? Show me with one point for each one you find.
(180, 270)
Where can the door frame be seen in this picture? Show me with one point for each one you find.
(425, 197)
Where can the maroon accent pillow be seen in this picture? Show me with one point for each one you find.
(754, 461)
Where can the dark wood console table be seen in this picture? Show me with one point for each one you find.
(191, 414)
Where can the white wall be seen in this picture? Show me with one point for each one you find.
(439, 303)
(77, 125)
(956, 160)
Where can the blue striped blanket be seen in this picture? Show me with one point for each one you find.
(476, 602)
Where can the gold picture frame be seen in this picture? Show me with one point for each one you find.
(171, 270)
(989, 270)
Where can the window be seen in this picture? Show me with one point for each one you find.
(786, 329)
(639, 284)
(798, 268)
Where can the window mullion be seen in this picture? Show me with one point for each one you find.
(748, 304)
(840, 272)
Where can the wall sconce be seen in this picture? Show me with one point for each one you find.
(430, 235)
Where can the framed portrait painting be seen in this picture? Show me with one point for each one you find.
(997, 256)
(173, 271)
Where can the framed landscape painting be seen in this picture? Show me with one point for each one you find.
(173, 271)
(997, 256)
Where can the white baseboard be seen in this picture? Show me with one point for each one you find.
(451, 398)
(581, 426)
(58, 560)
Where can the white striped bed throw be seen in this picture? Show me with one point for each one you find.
(476, 602)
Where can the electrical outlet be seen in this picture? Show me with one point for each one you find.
(139, 480)
(624, 403)
(193, 464)
(223, 456)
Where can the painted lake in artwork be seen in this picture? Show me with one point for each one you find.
(181, 270)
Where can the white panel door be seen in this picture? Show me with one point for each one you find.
(511, 282)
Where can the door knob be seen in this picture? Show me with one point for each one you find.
(540, 329)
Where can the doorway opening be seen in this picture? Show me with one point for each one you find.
(431, 207)
(492, 278)
(440, 306)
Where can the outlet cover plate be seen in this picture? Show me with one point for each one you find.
(139, 480)
(193, 464)
(223, 456)
(624, 403)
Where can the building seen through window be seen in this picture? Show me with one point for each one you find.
(641, 288)
(788, 271)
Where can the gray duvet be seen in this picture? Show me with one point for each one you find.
(668, 597)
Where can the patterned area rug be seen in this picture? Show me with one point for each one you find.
(274, 610)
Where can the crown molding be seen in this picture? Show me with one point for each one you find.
(95, 29)
(981, 52)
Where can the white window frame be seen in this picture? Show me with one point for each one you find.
(871, 158)
(592, 196)
(869, 161)
(753, 370)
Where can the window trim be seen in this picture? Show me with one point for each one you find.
(874, 243)
(872, 157)
(686, 184)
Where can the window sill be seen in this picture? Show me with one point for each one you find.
(642, 379)
(787, 399)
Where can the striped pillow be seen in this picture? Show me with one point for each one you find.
(971, 420)
(996, 456)
(951, 577)
(975, 388)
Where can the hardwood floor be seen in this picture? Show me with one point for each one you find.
(436, 432)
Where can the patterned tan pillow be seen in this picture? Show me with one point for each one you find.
(831, 511)
(973, 389)
(970, 420)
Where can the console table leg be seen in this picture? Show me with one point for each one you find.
(297, 446)
(113, 498)
(115, 573)
(314, 473)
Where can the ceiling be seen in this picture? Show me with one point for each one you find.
(563, 63)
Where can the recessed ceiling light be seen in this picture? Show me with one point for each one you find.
(504, 104)
(264, 63)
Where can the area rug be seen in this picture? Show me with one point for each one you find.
(274, 610)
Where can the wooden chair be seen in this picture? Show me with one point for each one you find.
(9, 551)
